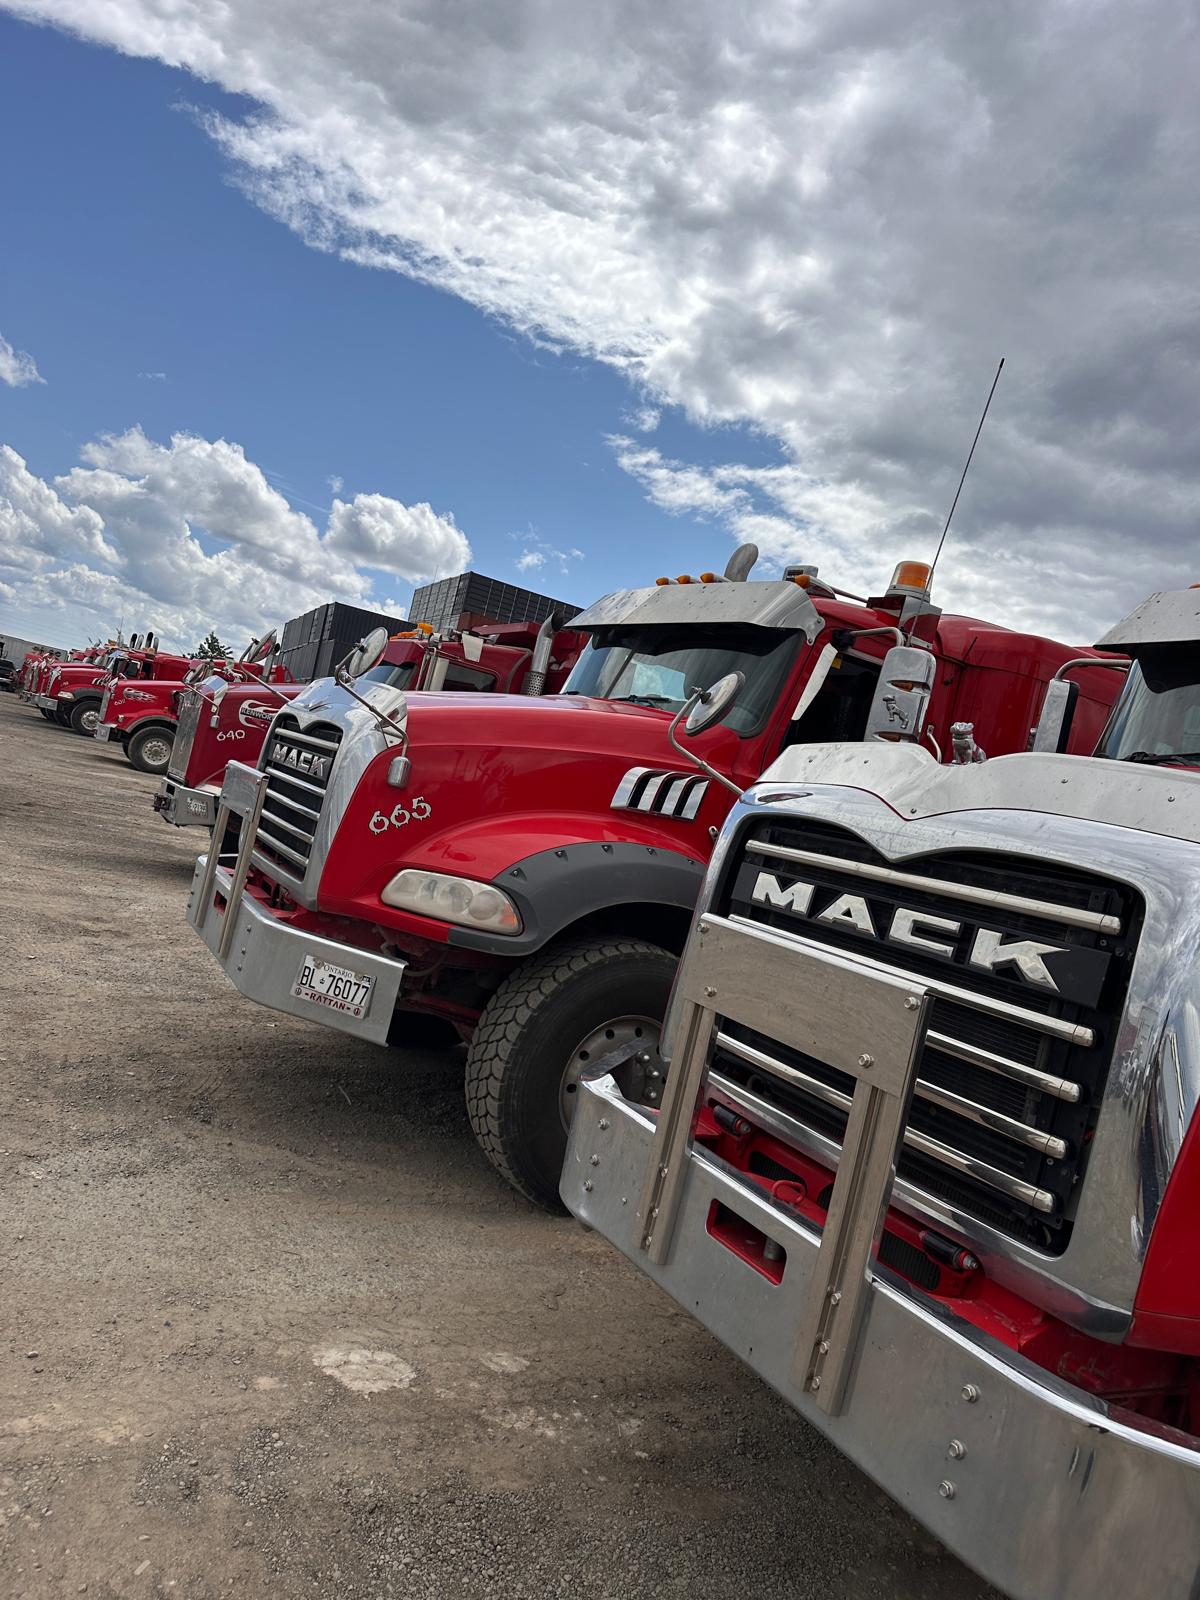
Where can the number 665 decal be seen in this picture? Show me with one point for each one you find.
(400, 815)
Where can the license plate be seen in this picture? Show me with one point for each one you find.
(339, 988)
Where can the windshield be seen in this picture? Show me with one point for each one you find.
(396, 674)
(1157, 716)
(661, 667)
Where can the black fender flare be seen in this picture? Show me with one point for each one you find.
(553, 889)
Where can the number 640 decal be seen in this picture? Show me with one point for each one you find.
(400, 815)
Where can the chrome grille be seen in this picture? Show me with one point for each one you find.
(1011, 1071)
(191, 705)
(298, 763)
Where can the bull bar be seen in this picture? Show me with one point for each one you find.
(259, 952)
(1043, 1489)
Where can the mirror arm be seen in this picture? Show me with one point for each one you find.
(690, 755)
(343, 679)
(1092, 661)
(852, 635)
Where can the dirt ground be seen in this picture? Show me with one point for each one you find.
(269, 1325)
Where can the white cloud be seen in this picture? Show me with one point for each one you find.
(411, 541)
(825, 220)
(16, 366)
(190, 535)
(643, 419)
(154, 377)
(539, 554)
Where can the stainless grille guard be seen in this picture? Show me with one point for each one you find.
(242, 795)
(744, 974)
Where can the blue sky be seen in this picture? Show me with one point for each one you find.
(133, 253)
(634, 281)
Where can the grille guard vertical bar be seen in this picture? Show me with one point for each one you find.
(242, 795)
(854, 1018)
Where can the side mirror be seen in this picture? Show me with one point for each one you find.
(367, 653)
(1057, 713)
(901, 701)
(712, 706)
(261, 650)
(218, 694)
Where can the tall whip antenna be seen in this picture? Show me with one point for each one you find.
(965, 470)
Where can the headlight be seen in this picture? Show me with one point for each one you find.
(462, 900)
(65, 694)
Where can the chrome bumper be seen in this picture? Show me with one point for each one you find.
(261, 955)
(104, 731)
(1030, 1481)
(184, 807)
(45, 702)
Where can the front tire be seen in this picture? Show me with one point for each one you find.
(150, 749)
(543, 1027)
(85, 717)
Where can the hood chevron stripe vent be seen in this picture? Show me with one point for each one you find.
(664, 794)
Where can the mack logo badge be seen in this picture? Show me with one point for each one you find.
(1072, 971)
(310, 762)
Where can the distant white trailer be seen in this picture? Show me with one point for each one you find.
(15, 650)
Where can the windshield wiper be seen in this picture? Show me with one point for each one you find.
(643, 699)
(1150, 760)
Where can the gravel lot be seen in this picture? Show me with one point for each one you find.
(269, 1325)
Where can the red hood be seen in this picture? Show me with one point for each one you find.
(132, 700)
(244, 717)
(80, 674)
(505, 777)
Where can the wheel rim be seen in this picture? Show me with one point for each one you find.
(641, 1079)
(90, 720)
(156, 752)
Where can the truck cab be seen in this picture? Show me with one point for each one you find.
(143, 715)
(74, 692)
(220, 722)
(928, 1157)
(523, 869)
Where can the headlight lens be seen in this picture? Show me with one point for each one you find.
(462, 900)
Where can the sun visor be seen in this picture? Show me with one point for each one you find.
(756, 604)
(1172, 617)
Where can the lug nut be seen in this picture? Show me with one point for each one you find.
(970, 1393)
(946, 1489)
(956, 1450)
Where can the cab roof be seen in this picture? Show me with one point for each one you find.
(1170, 617)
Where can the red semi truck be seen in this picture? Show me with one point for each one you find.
(525, 869)
(929, 1155)
(74, 691)
(220, 722)
(37, 668)
(143, 716)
